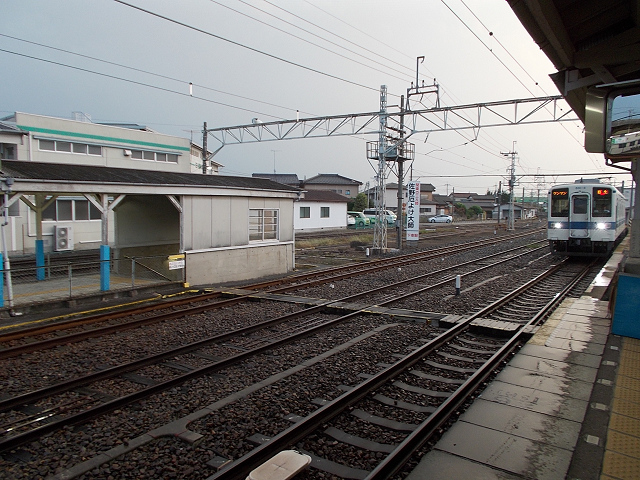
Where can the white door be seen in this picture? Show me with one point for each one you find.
(579, 217)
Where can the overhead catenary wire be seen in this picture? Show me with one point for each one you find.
(390, 60)
(503, 64)
(147, 72)
(135, 82)
(308, 41)
(238, 44)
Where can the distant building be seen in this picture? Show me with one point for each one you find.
(333, 183)
(320, 209)
(290, 179)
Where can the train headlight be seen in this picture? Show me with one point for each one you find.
(601, 226)
(557, 225)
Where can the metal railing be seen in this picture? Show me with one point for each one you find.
(59, 280)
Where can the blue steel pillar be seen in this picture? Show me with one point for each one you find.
(105, 267)
(40, 260)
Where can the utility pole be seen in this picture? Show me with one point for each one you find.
(380, 228)
(274, 160)
(499, 202)
(204, 149)
(512, 182)
(400, 196)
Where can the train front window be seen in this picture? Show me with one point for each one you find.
(560, 202)
(601, 202)
(580, 204)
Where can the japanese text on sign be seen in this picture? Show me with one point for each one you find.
(413, 210)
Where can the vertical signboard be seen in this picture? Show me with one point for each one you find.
(413, 211)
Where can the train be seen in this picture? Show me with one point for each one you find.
(585, 218)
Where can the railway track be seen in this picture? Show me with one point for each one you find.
(127, 319)
(60, 393)
(80, 402)
(454, 358)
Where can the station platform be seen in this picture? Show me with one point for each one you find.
(567, 406)
(59, 296)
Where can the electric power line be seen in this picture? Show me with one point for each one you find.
(135, 82)
(238, 44)
(307, 41)
(159, 75)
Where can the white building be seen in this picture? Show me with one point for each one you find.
(318, 210)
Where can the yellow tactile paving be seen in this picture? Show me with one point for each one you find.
(628, 425)
(630, 368)
(620, 466)
(628, 382)
(632, 344)
(622, 455)
(625, 407)
(628, 445)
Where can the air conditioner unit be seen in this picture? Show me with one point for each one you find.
(63, 238)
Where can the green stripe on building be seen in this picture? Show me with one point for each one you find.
(102, 138)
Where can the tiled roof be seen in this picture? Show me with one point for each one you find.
(331, 179)
(286, 178)
(7, 127)
(324, 196)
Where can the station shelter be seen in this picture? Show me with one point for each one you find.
(128, 190)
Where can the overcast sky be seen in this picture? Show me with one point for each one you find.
(268, 59)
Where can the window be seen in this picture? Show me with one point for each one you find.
(7, 151)
(154, 156)
(560, 202)
(347, 192)
(305, 212)
(69, 147)
(602, 197)
(263, 224)
(47, 145)
(580, 204)
(80, 148)
(66, 210)
(324, 212)
(14, 208)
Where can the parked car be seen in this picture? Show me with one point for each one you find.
(360, 219)
(441, 219)
(389, 216)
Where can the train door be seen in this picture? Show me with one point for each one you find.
(579, 220)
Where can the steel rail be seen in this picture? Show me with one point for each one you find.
(124, 368)
(123, 401)
(20, 334)
(396, 460)
(391, 263)
(239, 469)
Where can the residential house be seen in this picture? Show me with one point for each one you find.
(290, 179)
(319, 210)
(333, 183)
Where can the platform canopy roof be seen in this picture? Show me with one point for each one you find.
(589, 42)
(70, 178)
